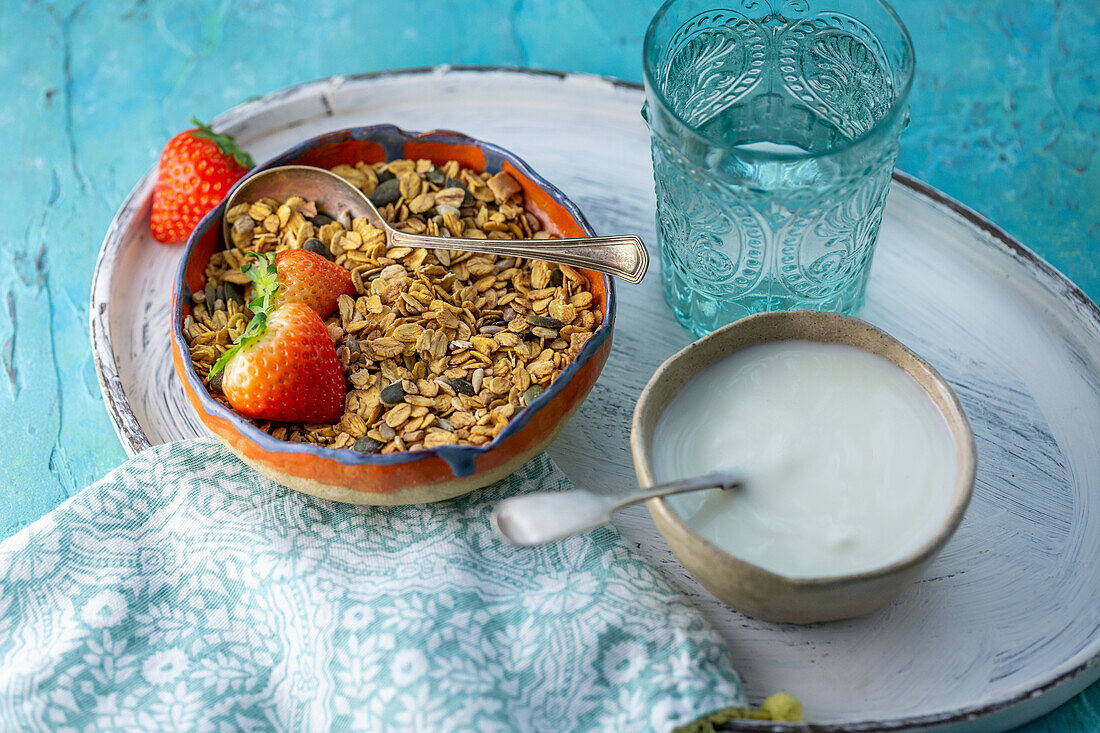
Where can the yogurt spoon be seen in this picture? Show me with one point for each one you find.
(549, 516)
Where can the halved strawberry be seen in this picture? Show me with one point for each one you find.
(284, 366)
(290, 373)
(307, 277)
(196, 170)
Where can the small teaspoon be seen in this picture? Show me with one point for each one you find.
(623, 256)
(549, 516)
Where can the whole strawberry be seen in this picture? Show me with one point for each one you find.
(307, 277)
(284, 366)
(196, 171)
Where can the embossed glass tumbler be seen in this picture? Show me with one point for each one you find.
(774, 127)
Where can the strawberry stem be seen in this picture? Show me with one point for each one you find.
(265, 284)
(225, 143)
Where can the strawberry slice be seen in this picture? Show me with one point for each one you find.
(307, 277)
(284, 366)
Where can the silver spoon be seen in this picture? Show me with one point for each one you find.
(549, 516)
(621, 256)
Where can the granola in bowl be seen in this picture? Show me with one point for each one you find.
(437, 347)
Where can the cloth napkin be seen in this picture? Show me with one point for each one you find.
(184, 591)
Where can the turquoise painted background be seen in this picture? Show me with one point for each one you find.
(1006, 118)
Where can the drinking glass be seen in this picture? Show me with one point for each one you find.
(774, 128)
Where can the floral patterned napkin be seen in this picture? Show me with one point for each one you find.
(184, 591)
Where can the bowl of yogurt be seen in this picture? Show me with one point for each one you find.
(856, 457)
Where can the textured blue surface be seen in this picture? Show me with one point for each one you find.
(1006, 118)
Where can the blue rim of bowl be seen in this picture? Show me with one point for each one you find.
(392, 139)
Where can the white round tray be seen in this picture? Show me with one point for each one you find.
(1006, 624)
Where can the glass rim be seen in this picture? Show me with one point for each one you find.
(900, 102)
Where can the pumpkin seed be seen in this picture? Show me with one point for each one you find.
(462, 386)
(367, 445)
(393, 394)
(387, 192)
(544, 321)
(532, 393)
(315, 245)
(234, 293)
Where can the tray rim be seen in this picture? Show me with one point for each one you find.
(134, 440)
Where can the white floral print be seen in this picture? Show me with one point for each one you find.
(408, 666)
(105, 609)
(164, 666)
(623, 661)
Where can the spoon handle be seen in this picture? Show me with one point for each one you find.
(713, 480)
(549, 516)
(622, 256)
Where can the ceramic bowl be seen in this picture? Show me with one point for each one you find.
(750, 588)
(421, 476)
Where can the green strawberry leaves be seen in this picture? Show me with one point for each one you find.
(265, 284)
(225, 143)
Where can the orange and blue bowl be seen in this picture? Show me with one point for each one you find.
(419, 476)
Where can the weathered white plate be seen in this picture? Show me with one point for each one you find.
(1005, 626)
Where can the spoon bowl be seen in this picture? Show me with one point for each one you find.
(623, 256)
(334, 196)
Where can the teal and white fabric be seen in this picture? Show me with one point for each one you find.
(186, 592)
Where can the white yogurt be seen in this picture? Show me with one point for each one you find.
(849, 465)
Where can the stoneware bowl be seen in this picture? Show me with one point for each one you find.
(743, 585)
(421, 476)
